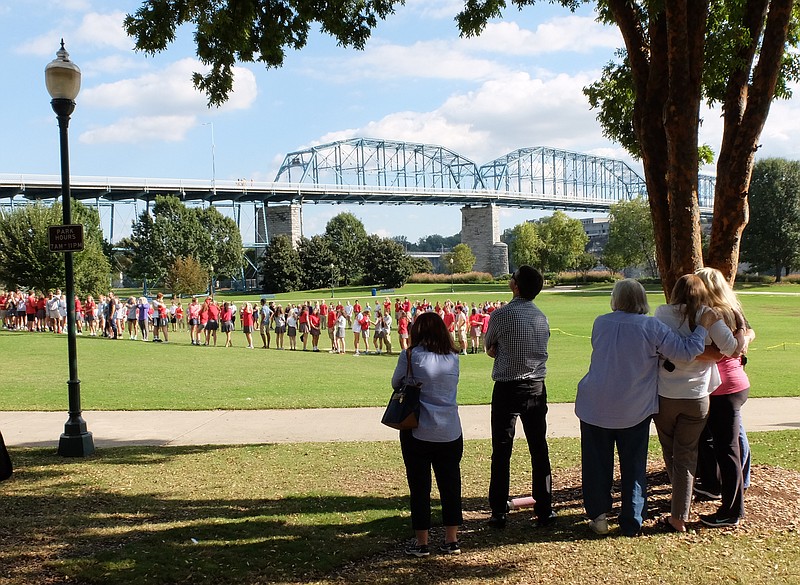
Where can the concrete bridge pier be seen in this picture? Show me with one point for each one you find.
(277, 220)
(480, 230)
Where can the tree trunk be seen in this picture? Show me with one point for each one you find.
(779, 273)
(745, 112)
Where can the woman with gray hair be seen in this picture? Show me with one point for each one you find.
(618, 397)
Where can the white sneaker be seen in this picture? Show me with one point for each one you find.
(599, 525)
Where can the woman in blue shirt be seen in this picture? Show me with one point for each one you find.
(618, 397)
(437, 442)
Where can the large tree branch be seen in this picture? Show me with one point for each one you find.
(746, 110)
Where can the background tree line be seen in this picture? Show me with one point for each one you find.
(345, 254)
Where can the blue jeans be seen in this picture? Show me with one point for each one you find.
(597, 471)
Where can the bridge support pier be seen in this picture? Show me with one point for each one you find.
(480, 230)
(279, 220)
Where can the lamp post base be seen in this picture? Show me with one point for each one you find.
(79, 445)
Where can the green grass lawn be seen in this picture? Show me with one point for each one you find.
(338, 513)
(127, 375)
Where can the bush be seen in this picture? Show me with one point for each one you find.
(593, 276)
(459, 278)
(755, 278)
(792, 279)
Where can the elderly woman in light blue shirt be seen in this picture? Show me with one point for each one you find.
(437, 442)
(618, 397)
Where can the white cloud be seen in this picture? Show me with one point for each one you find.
(141, 129)
(168, 91)
(577, 34)
(94, 31)
(163, 97)
(424, 59)
(103, 30)
(111, 65)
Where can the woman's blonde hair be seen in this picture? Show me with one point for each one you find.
(721, 295)
(629, 296)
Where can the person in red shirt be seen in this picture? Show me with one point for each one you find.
(357, 307)
(162, 318)
(402, 329)
(179, 316)
(365, 322)
(302, 326)
(226, 317)
(212, 322)
(450, 322)
(41, 313)
(247, 324)
(475, 330)
(331, 324)
(3, 307)
(78, 316)
(406, 306)
(89, 315)
(387, 306)
(30, 310)
(314, 324)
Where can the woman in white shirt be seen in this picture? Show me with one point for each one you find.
(683, 390)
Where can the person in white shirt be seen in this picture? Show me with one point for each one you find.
(683, 392)
(356, 332)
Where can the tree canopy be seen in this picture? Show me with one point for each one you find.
(280, 266)
(526, 245)
(771, 241)
(347, 239)
(175, 231)
(563, 242)
(630, 237)
(26, 259)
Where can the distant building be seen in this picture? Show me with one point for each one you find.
(597, 230)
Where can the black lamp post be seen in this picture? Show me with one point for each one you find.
(63, 80)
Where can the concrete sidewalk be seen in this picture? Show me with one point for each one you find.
(237, 427)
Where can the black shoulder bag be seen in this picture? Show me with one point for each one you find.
(402, 412)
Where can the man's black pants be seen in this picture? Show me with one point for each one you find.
(528, 401)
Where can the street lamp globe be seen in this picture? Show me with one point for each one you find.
(62, 77)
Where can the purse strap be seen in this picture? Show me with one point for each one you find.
(409, 369)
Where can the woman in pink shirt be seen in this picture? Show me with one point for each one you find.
(724, 416)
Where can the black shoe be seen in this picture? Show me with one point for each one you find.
(547, 520)
(715, 522)
(450, 548)
(418, 550)
(497, 521)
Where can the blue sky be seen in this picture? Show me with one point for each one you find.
(518, 85)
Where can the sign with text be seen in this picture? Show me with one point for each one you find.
(65, 238)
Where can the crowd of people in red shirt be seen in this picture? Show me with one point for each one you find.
(152, 319)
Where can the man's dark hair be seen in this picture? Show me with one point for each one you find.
(529, 281)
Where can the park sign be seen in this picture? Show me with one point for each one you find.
(65, 238)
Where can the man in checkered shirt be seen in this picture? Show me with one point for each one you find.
(517, 340)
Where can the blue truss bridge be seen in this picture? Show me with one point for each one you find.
(370, 171)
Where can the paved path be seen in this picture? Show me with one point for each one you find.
(237, 427)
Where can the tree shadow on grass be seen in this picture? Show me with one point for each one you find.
(61, 526)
